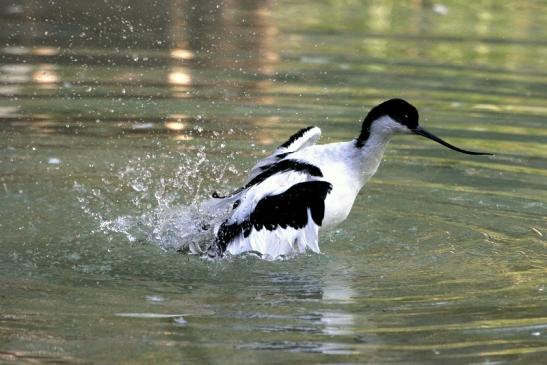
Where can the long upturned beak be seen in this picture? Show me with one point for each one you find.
(422, 132)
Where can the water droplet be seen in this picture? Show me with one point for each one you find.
(180, 321)
(54, 161)
(155, 298)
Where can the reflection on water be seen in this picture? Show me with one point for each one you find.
(117, 118)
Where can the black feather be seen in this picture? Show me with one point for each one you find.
(295, 136)
(288, 209)
(279, 167)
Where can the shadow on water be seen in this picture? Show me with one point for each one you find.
(117, 118)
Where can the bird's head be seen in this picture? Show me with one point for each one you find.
(398, 116)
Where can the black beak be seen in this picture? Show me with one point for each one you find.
(422, 132)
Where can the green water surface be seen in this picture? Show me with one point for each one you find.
(118, 117)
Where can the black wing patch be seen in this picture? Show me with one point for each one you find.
(288, 209)
(278, 157)
(295, 136)
(283, 166)
(278, 167)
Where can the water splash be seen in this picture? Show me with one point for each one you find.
(157, 199)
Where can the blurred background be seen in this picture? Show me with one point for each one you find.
(118, 117)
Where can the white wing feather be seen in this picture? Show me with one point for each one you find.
(279, 242)
(274, 185)
(304, 138)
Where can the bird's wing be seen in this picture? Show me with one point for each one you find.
(278, 224)
(278, 175)
(303, 138)
(276, 213)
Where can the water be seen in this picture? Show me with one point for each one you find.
(118, 118)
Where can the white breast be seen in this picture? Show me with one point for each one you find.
(348, 169)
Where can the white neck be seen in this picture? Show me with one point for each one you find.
(370, 157)
(372, 152)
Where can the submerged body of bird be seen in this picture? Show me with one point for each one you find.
(303, 187)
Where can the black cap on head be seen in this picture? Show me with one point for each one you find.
(398, 109)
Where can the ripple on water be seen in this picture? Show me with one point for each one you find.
(114, 126)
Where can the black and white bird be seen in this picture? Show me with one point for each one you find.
(303, 187)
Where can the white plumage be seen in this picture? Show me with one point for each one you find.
(303, 187)
(302, 139)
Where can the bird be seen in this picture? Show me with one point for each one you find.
(304, 187)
